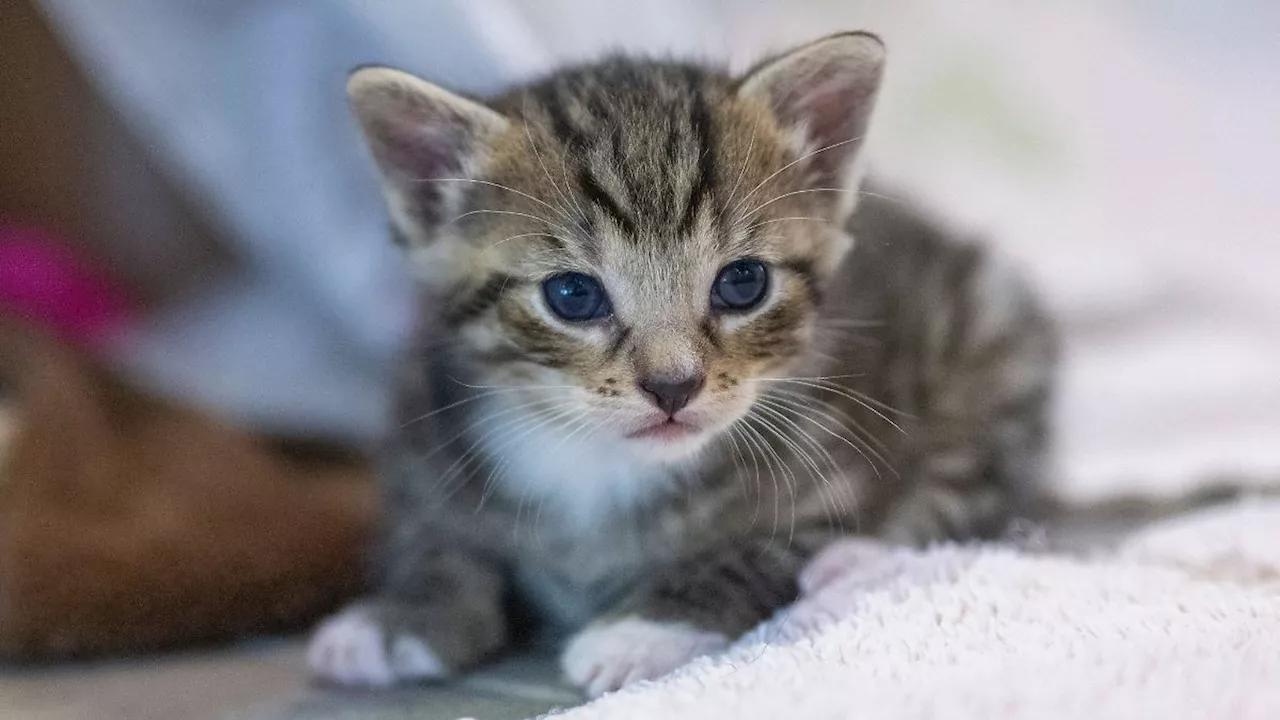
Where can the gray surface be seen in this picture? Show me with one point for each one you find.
(520, 687)
(426, 704)
(266, 681)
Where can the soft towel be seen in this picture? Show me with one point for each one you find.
(1182, 620)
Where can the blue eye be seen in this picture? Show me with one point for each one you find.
(576, 297)
(740, 286)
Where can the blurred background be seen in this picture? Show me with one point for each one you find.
(201, 154)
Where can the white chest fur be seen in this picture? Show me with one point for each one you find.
(581, 475)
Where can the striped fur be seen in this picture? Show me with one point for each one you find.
(900, 390)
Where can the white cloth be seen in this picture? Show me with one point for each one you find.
(1182, 623)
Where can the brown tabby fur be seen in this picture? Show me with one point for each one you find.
(899, 391)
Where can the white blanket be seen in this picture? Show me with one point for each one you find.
(1181, 621)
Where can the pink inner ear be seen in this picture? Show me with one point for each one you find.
(420, 151)
(415, 156)
(834, 109)
(44, 282)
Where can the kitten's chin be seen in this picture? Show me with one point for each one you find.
(667, 451)
(665, 431)
(682, 438)
(668, 442)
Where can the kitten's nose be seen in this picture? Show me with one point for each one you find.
(669, 393)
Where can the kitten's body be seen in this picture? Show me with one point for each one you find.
(899, 393)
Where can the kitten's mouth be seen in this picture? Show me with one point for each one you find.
(669, 429)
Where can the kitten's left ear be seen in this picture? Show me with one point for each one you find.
(420, 133)
(826, 91)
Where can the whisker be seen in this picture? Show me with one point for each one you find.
(827, 488)
(871, 443)
(537, 519)
(779, 409)
(745, 164)
(459, 477)
(788, 476)
(493, 245)
(500, 186)
(564, 175)
(760, 445)
(888, 198)
(501, 466)
(568, 409)
(458, 403)
(804, 413)
(585, 421)
(739, 466)
(751, 213)
(508, 387)
(445, 481)
(865, 398)
(791, 164)
(868, 403)
(771, 221)
(564, 196)
(513, 213)
(801, 377)
(488, 417)
(791, 443)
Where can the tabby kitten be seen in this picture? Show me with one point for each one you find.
(649, 383)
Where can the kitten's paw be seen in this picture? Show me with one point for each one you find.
(605, 657)
(352, 648)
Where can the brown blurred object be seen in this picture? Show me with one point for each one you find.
(68, 164)
(128, 523)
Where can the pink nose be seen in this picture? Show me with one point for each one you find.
(671, 394)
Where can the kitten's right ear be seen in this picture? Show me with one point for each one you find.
(826, 90)
(420, 134)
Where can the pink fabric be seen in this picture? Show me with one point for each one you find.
(45, 283)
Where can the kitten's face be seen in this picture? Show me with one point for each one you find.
(655, 326)
(626, 250)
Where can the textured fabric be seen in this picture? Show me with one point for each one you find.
(1183, 621)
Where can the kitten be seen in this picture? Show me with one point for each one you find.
(650, 384)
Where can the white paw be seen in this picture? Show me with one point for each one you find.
(351, 649)
(603, 658)
(849, 559)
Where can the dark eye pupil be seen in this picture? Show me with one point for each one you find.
(740, 285)
(574, 296)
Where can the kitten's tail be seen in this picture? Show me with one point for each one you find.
(1073, 524)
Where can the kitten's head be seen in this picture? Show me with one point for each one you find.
(629, 246)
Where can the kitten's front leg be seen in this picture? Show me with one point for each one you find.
(938, 512)
(686, 610)
(441, 616)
